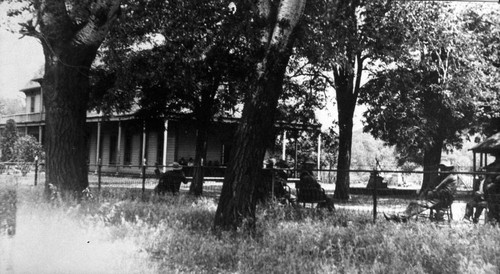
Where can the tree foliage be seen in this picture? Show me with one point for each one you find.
(10, 106)
(167, 55)
(428, 93)
(340, 42)
(484, 26)
(425, 101)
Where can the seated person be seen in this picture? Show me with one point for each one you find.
(264, 188)
(492, 189)
(182, 161)
(438, 198)
(281, 189)
(171, 180)
(307, 181)
(478, 201)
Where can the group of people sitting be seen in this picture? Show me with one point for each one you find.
(440, 197)
(272, 183)
(486, 194)
(275, 177)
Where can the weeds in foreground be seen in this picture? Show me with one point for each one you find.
(173, 234)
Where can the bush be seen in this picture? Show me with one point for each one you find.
(26, 148)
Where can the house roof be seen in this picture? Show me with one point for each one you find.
(34, 83)
(490, 145)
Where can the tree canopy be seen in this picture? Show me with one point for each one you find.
(424, 101)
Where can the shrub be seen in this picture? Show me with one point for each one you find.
(26, 148)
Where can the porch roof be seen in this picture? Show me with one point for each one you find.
(95, 117)
(491, 145)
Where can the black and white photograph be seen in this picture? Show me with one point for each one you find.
(266, 136)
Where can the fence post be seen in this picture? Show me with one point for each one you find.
(99, 166)
(143, 176)
(36, 170)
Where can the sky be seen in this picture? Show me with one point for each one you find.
(20, 59)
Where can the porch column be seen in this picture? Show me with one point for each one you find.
(474, 164)
(319, 156)
(165, 143)
(40, 134)
(98, 147)
(283, 151)
(118, 147)
(296, 153)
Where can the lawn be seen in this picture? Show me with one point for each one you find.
(119, 232)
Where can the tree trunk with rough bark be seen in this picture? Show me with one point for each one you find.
(204, 115)
(65, 95)
(347, 90)
(237, 204)
(70, 36)
(344, 158)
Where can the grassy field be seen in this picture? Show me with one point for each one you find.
(118, 232)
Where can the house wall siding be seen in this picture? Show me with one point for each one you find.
(152, 146)
(186, 145)
(93, 145)
(171, 145)
(213, 149)
(136, 149)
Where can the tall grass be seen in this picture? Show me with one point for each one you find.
(118, 233)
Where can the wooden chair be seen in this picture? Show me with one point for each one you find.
(446, 208)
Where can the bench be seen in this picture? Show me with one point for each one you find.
(310, 196)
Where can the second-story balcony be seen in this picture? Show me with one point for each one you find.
(24, 118)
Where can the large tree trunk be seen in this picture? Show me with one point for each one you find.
(236, 204)
(204, 114)
(65, 94)
(347, 89)
(347, 78)
(251, 140)
(70, 45)
(432, 158)
(344, 158)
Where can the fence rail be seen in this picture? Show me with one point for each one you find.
(396, 189)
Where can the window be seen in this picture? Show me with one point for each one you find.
(159, 147)
(112, 150)
(32, 104)
(127, 154)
